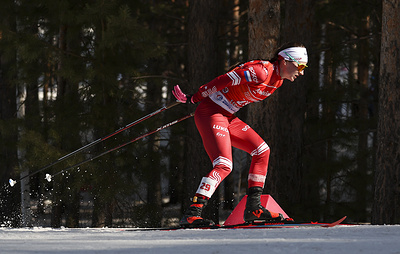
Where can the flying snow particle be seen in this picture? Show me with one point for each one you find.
(48, 177)
(12, 182)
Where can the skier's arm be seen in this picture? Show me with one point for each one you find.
(254, 74)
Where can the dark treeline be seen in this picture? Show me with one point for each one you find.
(75, 71)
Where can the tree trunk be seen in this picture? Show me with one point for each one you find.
(291, 181)
(232, 30)
(202, 66)
(280, 118)
(264, 28)
(67, 124)
(361, 184)
(309, 196)
(386, 207)
(264, 31)
(153, 174)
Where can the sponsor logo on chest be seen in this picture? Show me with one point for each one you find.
(261, 92)
(253, 74)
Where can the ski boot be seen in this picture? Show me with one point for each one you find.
(255, 211)
(192, 216)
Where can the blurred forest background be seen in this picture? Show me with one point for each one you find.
(74, 71)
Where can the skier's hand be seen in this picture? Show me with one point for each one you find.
(180, 96)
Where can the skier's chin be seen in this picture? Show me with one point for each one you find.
(291, 79)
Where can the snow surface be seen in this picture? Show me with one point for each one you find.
(341, 239)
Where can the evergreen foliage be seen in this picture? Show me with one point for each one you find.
(74, 71)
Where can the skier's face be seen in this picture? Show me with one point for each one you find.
(290, 69)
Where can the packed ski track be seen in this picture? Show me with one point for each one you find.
(340, 239)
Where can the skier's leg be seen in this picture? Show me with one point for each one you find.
(245, 138)
(213, 128)
(217, 143)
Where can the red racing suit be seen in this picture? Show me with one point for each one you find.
(220, 129)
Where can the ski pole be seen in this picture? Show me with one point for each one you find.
(49, 176)
(13, 182)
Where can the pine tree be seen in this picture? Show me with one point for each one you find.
(386, 195)
(80, 59)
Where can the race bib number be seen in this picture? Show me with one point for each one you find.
(207, 187)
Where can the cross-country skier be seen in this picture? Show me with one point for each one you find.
(220, 129)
